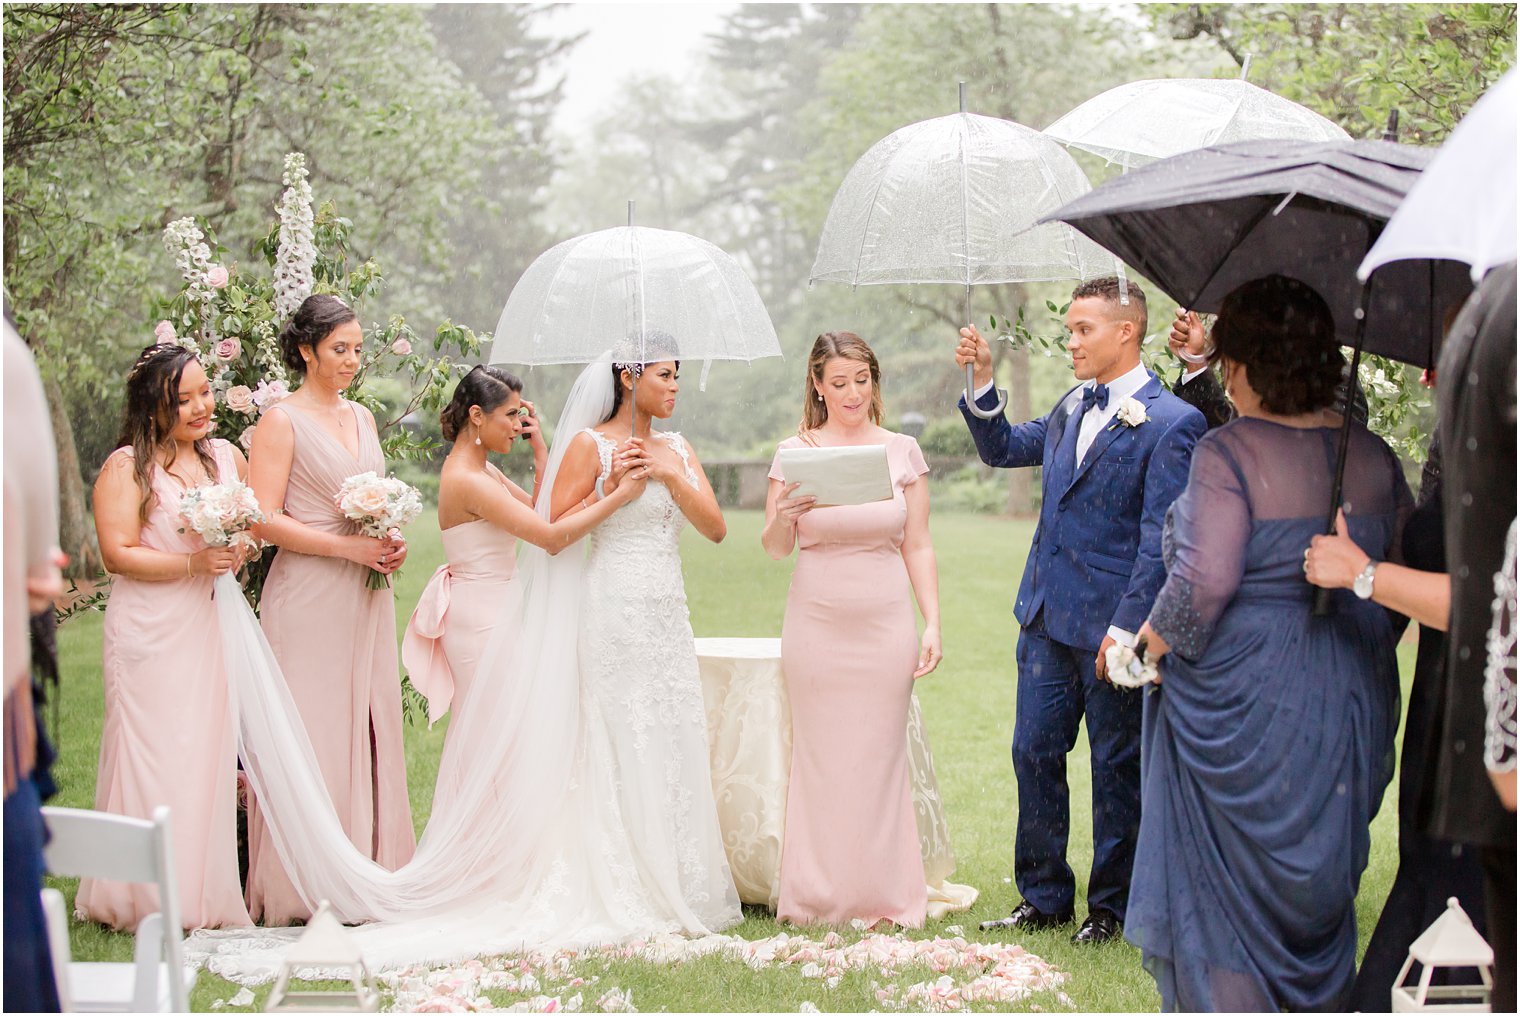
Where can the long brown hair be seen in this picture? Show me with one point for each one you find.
(152, 413)
(836, 346)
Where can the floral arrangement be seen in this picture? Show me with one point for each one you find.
(222, 514)
(381, 505)
(230, 314)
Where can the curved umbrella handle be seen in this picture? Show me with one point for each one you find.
(978, 411)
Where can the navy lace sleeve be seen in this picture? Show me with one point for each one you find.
(1205, 541)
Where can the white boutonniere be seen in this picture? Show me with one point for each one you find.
(1131, 413)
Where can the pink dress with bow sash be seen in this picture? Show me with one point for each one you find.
(463, 606)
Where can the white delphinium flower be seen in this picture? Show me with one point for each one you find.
(297, 252)
(184, 239)
(267, 352)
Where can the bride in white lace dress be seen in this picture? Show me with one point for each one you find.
(574, 804)
(640, 687)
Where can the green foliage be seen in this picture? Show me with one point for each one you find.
(233, 329)
(1356, 63)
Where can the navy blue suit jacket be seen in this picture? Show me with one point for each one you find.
(1096, 556)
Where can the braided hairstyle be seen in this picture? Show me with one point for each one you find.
(486, 387)
(151, 414)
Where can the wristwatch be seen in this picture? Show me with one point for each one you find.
(1362, 584)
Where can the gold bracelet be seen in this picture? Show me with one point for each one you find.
(187, 567)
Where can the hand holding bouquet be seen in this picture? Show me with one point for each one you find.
(381, 505)
(223, 514)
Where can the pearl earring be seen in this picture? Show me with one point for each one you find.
(818, 396)
(477, 435)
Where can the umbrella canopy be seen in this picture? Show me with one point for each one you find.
(1202, 223)
(1137, 123)
(640, 292)
(955, 199)
(1463, 206)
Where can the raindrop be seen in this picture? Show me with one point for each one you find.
(1340, 788)
(1463, 572)
(1467, 500)
(1472, 444)
(1464, 653)
(1458, 747)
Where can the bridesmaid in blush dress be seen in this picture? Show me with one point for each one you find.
(168, 737)
(483, 514)
(851, 847)
(334, 637)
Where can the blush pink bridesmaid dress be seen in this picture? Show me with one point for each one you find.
(849, 646)
(168, 736)
(335, 640)
(465, 602)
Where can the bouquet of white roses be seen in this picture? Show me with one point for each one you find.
(381, 505)
(222, 514)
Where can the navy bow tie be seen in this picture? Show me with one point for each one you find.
(1096, 395)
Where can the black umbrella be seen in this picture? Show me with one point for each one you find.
(1202, 223)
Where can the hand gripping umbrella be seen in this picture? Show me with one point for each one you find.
(633, 290)
(1202, 223)
(956, 199)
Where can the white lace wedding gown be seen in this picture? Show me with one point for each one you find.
(574, 803)
(642, 693)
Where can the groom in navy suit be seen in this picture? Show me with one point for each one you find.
(1115, 451)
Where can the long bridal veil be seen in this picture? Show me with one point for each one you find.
(524, 846)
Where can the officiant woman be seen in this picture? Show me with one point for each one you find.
(848, 648)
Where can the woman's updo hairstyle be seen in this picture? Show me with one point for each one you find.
(312, 322)
(657, 347)
(486, 387)
(1282, 331)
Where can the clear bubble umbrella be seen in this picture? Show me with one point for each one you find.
(638, 293)
(1142, 121)
(956, 199)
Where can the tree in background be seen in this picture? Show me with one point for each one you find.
(1355, 63)
(121, 119)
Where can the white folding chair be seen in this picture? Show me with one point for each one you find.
(121, 849)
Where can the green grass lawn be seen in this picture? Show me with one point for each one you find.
(735, 590)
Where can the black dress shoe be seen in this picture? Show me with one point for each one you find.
(1028, 918)
(1100, 926)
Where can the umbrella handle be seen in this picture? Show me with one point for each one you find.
(978, 411)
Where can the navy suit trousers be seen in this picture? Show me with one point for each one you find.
(1057, 686)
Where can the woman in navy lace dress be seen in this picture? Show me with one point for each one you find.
(1269, 743)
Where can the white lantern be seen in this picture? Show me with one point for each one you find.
(325, 945)
(1451, 943)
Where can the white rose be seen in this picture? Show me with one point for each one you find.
(1131, 413)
